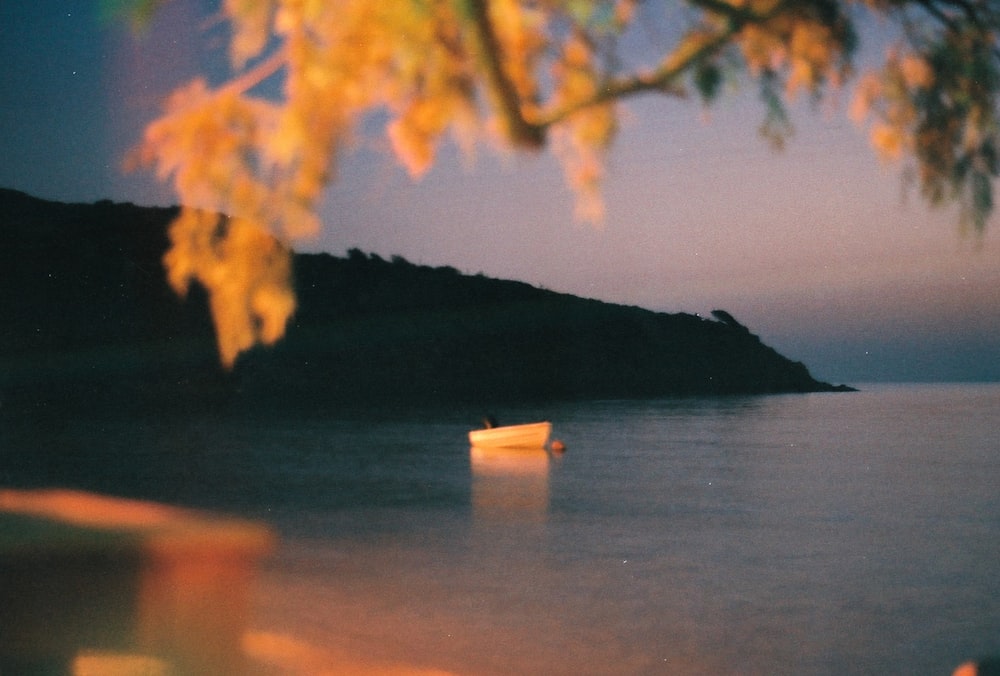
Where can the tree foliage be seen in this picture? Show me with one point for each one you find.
(528, 74)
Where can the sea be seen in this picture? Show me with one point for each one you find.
(834, 533)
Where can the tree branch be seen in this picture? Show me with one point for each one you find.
(663, 79)
(521, 131)
(260, 72)
(973, 14)
(660, 80)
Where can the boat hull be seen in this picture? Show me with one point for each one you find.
(531, 435)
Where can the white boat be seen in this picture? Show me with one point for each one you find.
(531, 435)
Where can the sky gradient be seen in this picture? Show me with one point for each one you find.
(818, 249)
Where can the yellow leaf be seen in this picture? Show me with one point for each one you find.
(917, 73)
(889, 141)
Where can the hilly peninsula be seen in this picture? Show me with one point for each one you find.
(89, 320)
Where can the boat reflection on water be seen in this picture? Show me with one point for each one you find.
(510, 484)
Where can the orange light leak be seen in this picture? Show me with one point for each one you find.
(85, 509)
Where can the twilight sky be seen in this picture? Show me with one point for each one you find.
(817, 249)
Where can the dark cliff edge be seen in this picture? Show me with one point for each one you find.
(90, 320)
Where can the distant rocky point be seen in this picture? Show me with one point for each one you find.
(90, 319)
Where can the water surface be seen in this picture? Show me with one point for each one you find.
(806, 534)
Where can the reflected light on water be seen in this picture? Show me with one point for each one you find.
(510, 483)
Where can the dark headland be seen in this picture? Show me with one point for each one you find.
(89, 320)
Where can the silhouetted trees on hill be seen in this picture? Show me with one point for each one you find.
(91, 319)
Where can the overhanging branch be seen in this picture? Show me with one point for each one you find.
(521, 131)
(260, 72)
(664, 79)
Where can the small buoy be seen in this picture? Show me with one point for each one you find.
(558, 446)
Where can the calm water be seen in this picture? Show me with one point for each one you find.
(808, 534)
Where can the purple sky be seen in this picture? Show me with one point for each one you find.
(816, 249)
